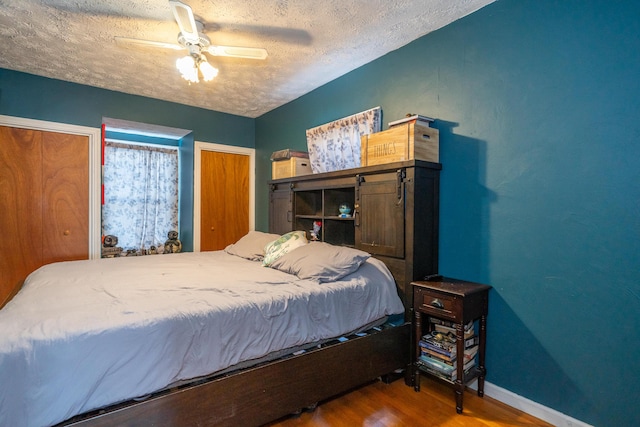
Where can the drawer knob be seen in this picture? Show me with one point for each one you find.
(437, 303)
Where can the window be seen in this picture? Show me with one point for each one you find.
(140, 193)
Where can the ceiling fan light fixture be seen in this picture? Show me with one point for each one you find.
(188, 69)
(190, 64)
(192, 38)
(208, 71)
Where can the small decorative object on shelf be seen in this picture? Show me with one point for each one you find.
(315, 233)
(173, 245)
(345, 210)
(109, 241)
(109, 248)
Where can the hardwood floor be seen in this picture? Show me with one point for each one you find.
(384, 405)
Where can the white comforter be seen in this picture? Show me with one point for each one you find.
(85, 334)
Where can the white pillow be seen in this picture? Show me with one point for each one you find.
(321, 261)
(251, 246)
(286, 243)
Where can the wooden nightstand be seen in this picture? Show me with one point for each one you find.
(455, 303)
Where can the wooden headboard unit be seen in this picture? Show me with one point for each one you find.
(394, 214)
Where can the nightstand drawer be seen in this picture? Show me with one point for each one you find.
(436, 303)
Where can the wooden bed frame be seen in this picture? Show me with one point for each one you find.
(264, 393)
(272, 390)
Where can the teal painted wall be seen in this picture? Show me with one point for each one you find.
(537, 104)
(34, 97)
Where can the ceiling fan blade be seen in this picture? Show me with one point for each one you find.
(126, 40)
(186, 21)
(238, 52)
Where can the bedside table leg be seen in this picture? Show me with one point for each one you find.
(459, 391)
(459, 387)
(417, 334)
(481, 354)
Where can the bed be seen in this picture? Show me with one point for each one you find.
(235, 337)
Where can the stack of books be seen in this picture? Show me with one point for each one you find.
(438, 349)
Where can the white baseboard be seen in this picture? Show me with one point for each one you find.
(523, 404)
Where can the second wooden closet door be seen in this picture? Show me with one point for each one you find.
(224, 199)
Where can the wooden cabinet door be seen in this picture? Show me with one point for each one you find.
(20, 207)
(65, 194)
(280, 210)
(379, 214)
(224, 199)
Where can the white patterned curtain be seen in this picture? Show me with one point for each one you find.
(336, 145)
(140, 194)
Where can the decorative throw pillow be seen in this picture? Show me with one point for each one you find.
(282, 245)
(251, 246)
(321, 261)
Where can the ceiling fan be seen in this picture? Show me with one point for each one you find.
(192, 39)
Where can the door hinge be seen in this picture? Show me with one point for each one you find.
(401, 174)
(359, 180)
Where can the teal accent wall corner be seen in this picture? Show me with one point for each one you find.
(186, 192)
(537, 106)
(34, 97)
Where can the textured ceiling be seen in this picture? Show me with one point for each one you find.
(309, 43)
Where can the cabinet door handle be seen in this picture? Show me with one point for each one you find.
(437, 303)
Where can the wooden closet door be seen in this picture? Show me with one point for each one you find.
(44, 202)
(224, 199)
(65, 191)
(20, 207)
